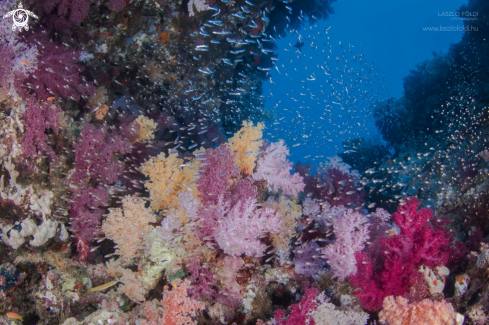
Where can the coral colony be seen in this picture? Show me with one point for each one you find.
(138, 183)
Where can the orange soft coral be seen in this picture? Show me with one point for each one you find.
(146, 128)
(168, 178)
(398, 311)
(178, 308)
(246, 144)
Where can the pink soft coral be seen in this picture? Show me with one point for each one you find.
(240, 227)
(274, 167)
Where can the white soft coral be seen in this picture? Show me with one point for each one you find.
(199, 5)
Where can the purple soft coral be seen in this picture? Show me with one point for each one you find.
(351, 231)
(306, 260)
(74, 10)
(116, 5)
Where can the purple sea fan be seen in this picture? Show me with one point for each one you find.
(274, 167)
(239, 231)
(351, 231)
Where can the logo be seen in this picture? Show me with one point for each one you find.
(20, 17)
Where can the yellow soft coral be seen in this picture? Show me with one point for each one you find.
(246, 144)
(146, 128)
(168, 177)
(290, 213)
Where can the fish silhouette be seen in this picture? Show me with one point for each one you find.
(299, 45)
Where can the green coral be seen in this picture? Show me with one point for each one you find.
(156, 261)
(177, 275)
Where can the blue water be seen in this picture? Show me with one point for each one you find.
(391, 36)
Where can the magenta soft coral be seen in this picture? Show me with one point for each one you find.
(95, 168)
(57, 74)
(85, 214)
(396, 270)
(300, 313)
(39, 118)
(219, 169)
(94, 155)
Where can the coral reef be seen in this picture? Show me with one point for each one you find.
(138, 184)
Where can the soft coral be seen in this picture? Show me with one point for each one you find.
(418, 243)
(57, 74)
(38, 119)
(301, 313)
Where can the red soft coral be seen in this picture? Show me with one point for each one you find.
(301, 313)
(418, 241)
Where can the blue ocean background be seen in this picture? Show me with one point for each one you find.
(392, 36)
